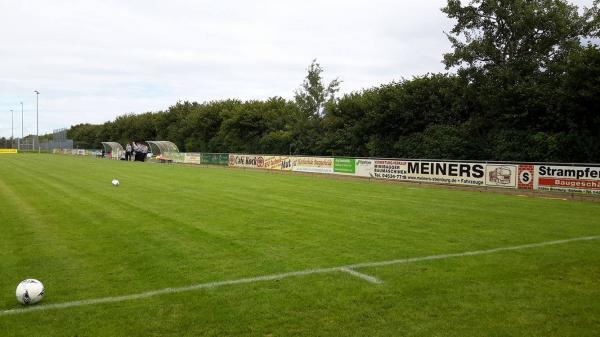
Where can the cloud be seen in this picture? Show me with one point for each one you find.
(94, 60)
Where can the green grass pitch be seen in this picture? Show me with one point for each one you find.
(166, 226)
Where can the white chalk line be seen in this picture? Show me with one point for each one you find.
(363, 276)
(346, 269)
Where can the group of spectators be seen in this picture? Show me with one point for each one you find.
(136, 151)
(133, 151)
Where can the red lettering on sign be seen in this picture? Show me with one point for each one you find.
(570, 183)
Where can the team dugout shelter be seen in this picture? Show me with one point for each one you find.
(113, 150)
(164, 151)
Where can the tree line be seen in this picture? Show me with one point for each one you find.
(522, 83)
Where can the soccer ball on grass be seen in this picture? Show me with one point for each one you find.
(30, 291)
(115, 182)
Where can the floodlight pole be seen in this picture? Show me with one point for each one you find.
(37, 119)
(19, 140)
(12, 128)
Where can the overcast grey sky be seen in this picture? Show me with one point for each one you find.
(95, 60)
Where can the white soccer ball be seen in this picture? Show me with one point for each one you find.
(115, 182)
(30, 291)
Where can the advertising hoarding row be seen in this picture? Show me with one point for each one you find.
(572, 179)
(74, 152)
(545, 177)
(279, 163)
(283, 163)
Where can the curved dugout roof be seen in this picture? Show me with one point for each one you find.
(162, 147)
(110, 147)
(114, 149)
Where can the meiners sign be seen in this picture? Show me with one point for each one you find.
(472, 174)
(579, 179)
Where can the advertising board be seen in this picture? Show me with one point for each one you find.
(191, 158)
(573, 179)
(364, 168)
(176, 157)
(246, 160)
(501, 175)
(526, 177)
(279, 163)
(344, 165)
(312, 164)
(215, 158)
(471, 174)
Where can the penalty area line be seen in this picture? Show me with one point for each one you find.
(346, 269)
(365, 277)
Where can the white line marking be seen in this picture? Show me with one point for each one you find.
(365, 277)
(347, 268)
(475, 252)
(167, 291)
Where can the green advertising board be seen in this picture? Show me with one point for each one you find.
(344, 165)
(215, 159)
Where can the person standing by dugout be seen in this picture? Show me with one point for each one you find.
(128, 152)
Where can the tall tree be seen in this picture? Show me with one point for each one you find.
(313, 95)
(312, 99)
(512, 55)
(515, 36)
